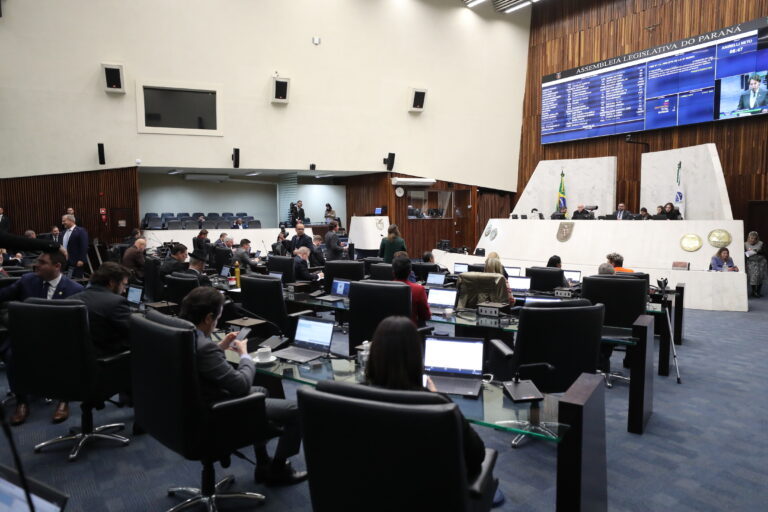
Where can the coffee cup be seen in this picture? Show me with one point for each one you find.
(263, 355)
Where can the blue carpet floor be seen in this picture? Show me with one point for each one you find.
(705, 449)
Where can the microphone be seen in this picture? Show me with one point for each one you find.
(591, 207)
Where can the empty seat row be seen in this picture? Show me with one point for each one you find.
(212, 215)
(159, 223)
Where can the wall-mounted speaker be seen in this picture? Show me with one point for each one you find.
(236, 158)
(280, 87)
(389, 161)
(418, 97)
(312, 167)
(102, 158)
(114, 81)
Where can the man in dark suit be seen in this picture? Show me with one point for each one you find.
(300, 211)
(239, 224)
(46, 282)
(333, 247)
(220, 380)
(133, 258)
(71, 211)
(196, 268)
(5, 222)
(300, 239)
(622, 213)
(55, 234)
(301, 266)
(176, 262)
(755, 97)
(75, 241)
(581, 213)
(243, 255)
(316, 257)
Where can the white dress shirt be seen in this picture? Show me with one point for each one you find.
(52, 284)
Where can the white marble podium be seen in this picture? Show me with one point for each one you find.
(261, 239)
(366, 232)
(647, 246)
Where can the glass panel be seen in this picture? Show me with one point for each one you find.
(430, 204)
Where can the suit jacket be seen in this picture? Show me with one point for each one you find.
(626, 215)
(301, 270)
(761, 100)
(109, 318)
(170, 266)
(31, 285)
(133, 259)
(218, 378)
(77, 246)
(301, 241)
(299, 214)
(584, 214)
(333, 247)
(245, 260)
(55, 238)
(5, 223)
(316, 257)
(244, 225)
(202, 279)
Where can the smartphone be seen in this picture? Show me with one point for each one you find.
(243, 333)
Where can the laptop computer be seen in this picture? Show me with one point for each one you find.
(460, 268)
(339, 291)
(134, 296)
(440, 299)
(520, 285)
(435, 279)
(276, 275)
(312, 340)
(455, 365)
(513, 271)
(572, 276)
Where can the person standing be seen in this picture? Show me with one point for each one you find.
(300, 239)
(334, 248)
(316, 256)
(71, 211)
(330, 213)
(75, 241)
(757, 267)
(391, 244)
(5, 222)
(299, 212)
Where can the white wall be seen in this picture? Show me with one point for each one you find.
(314, 198)
(349, 95)
(162, 193)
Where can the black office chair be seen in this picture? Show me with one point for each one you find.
(545, 279)
(371, 260)
(422, 269)
(153, 286)
(282, 264)
(624, 299)
(227, 214)
(169, 406)
(263, 296)
(54, 357)
(350, 270)
(476, 267)
(381, 272)
(416, 463)
(370, 302)
(221, 256)
(190, 224)
(177, 286)
(241, 214)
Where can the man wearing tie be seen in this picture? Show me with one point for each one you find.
(55, 234)
(75, 241)
(755, 97)
(622, 213)
(46, 282)
(5, 222)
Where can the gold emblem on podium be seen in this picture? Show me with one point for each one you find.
(690, 242)
(494, 233)
(380, 224)
(487, 231)
(564, 231)
(719, 238)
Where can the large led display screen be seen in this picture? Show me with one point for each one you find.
(713, 76)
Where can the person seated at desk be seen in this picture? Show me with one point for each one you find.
(562, 213)
(428, 257)
(316, 256)
(135, 235)
(556, 262)
(300, 239)
(301, 266)
(581, 213)
(722, 262)
(10, 260)
(401, 271)
(644, 215)
(671, 212)
(201, 241)
(494, 266)
(660, 210)
(535, 214)
(391, 244)
(221, 242)
(396, 362)
(282, 246)
(55, 235)
(239, 224)
(196, 268)
(243, 255)
(176, 262)
(605, 269)
(617, 260)
(402, 254)
(622, 213)
(494, 255)
(220, 380)
(133, 259)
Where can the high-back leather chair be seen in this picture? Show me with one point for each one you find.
(282, 264)
(153, 286)
(382, 271)
(422, 269)
(371, 260)
(263, 296)
(177, 287)
(476, 287)
(416, 462)
(169, 405)
(54, 357)
(349, 270)
(624, 298)
(545, 279)
(221, 256)
(370, 302)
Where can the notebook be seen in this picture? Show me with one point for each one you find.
(134, 296)
(312, 340)
(435, 279)
(339, 291)
(459, 268)
(455, 365)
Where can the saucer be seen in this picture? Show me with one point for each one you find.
(271, 360)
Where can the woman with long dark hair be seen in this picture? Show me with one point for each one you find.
(391, 244)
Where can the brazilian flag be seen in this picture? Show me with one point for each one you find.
(561, 203)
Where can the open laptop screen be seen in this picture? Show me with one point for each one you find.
(314, 333)
(454, 355)
(573, 276)
(224, 271)
(519, 283)
(277, 275)
(134, 295)
(340, 287)
(513, 271)
(459, 268)
(442, 297)
(436, 278)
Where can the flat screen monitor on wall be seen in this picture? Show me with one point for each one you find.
(179, 108)
(710, 77)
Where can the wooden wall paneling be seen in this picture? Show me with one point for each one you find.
(38, 202)
(572, 33)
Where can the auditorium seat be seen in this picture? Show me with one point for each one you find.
(182, 214)
(155, 223)
(190, 224)
(223, 224)
(253, 224)
(173, 224)
(197, 215)
(212, 215)
(227, 214)
(209, 224)
(166, 214)
(241, 215)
